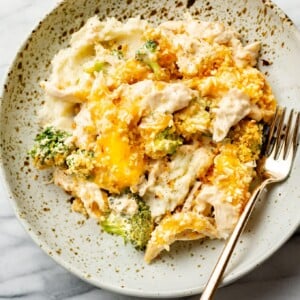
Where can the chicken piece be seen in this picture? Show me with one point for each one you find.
(174, 179)
(225, 213)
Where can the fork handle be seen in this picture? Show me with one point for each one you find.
(223, 260)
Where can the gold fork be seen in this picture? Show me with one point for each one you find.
(280, 152)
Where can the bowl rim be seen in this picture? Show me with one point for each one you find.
(69, 267)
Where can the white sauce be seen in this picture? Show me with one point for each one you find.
(67, 94)
(68, 76)
(233, 107)
(95, 32)
(57, 114)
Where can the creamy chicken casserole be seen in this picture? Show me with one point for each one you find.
(155, 131)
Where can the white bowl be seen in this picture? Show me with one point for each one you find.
(78, 244)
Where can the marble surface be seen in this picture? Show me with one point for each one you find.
(26, 272)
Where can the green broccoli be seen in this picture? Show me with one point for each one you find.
(118, 53)
(135, 228)
(147, 54)
(98, 66)
(195, 119)
(151, 46)
(247, 136)
(80, 162)
(51, 148)
(165, 142)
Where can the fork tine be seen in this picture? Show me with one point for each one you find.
(288, 134)
(296, 137)
(279, 133)
(270, 140)
(274, 133)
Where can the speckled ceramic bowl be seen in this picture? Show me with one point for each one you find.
(78, 244)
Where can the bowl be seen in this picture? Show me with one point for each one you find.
(78, 244)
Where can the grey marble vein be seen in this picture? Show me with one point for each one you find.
(26, 272)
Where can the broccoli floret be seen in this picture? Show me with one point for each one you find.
(98, 66)
(51, 148)
(167, 142)
(80, 162)
(135, 228)
(147, 54)
(151, 45)
(195, 119)
(118, 53)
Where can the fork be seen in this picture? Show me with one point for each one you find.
(278, 159)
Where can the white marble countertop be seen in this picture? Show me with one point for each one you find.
(26, 272)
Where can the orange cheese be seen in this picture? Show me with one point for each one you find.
(119, 164)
